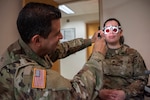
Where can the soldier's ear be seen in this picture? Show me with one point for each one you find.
(36, 40)
(121, 32)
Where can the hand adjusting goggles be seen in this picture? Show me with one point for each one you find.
(114, 29)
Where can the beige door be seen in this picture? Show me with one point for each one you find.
(91, 29)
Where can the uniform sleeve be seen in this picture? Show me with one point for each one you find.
(66, 48)
(88, 82)
(6, 89)
(139, 79)
(16, 82)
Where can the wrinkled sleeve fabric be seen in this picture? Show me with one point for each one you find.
(67, 48)
(139, 79)
(88, 81)
(6, 89)
(6, 79)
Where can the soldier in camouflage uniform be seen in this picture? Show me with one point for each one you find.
(123, 67)
(25, 67)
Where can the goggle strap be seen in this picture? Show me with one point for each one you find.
(111, 26)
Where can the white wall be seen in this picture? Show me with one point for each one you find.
(9, 10)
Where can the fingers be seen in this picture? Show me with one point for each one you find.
(100, 46)
(101, 32)
(95, 36)
(108, 95)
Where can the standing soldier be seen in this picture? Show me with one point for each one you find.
(25, 67)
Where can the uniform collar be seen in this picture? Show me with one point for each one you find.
(118, 51)
(33, 55)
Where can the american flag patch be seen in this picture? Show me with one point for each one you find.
(39, 78)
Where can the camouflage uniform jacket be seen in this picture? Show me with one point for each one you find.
(22, 74)
(124, 69)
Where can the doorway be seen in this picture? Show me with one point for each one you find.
(91, 28)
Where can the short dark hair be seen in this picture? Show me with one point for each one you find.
(119, 24)
(111, 19)
(36, 18)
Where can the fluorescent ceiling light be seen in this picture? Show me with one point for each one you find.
(65, 9)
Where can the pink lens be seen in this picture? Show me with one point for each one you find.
(107, 30)
(115, 30)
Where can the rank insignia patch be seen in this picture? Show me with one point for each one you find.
(39, 78)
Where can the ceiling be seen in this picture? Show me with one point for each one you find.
(90, 6)
(80, 7)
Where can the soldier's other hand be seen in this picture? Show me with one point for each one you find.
(112, 94)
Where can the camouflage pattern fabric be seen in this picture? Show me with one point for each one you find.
(124, 69)
(17, 73)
